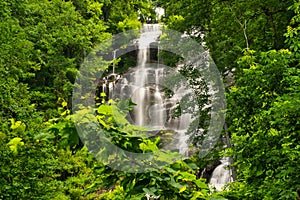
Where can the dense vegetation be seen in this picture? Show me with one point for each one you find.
(255, 44)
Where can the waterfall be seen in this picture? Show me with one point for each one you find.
(141, 95)
(144, 84)
(221, 175)
(114, 57)
(157, 110)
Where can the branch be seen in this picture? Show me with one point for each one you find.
(243, 26)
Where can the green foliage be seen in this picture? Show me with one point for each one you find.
(43, 44)
(292, 37)
(14, 144)
(44, 173)
(263, 109)
(61, 131)
(118, 193)
(231, 26)
(125, 18)
(176, 181)
(263, 96)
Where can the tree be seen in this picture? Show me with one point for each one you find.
(262, 117)
(231, 26)
(264, 121)
(262, 114)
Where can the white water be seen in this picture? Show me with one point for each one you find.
(157, 111)
(150, 34)
(221, 175)
(144, 84)
(114, 57)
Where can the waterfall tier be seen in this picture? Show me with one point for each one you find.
(145, 85)
(221, 175)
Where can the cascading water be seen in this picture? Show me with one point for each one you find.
(114, 57)
(221, 175)
(141, 95)
(144, 84)
(157, 110)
